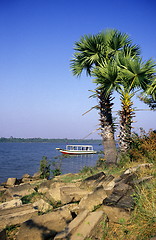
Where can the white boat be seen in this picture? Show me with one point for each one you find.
(77, 149)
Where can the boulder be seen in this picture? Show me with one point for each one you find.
(26, 178)
(11, 181)
(42, 206)
(121, 196)
(83, 227)
(93, 199)
(45, 186)
(126, 179)
(2, 189)
(11, 204)
(16, 215)
(37, 175)
(44, 226)
(108, 184)
(19, 191)
(72, 207)
(127, 201)
(73, 225)
(52, 189)
(93, 181)
(72, 194)
(6, 196)
(115, 214)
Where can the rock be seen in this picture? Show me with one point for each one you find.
(73, 225)
(2, 189)
(26, 175)
(115, 214)
(93, 181)
(20, 191)
(134, 169)
(26, 178)
(16, 215)
(3, 234)
(42, 205)
(11, 181)
(121, 196)
(108, 184)
(71, 194)
(44, 226)
(54, 195)
(72, 207)
(142, 180)
(126, 179)
(88, 226)
(44, 186)
(82, 227)
(93, 199)
(6, 196)
(36, 175)
(11, 204)
(127, 201)
(52, 189)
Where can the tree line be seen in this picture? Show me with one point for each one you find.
(50, 140)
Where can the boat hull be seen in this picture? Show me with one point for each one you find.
(63, 151)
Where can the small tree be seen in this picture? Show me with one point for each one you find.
(57, 168)
(44, 168)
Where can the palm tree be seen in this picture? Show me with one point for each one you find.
(134, 75)
(149, 96)
(97, 51)
(106, 79)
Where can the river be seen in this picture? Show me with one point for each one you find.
(16, 159)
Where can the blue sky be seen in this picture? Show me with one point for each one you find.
(39, 97)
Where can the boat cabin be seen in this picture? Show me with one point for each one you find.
(79, 147)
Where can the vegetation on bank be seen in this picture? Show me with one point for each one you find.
(50, 140)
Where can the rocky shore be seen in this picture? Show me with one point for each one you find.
(76, 210)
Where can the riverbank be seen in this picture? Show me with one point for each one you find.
(121, 199)
(112, 196)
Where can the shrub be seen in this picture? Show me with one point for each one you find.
(44, 168)
(143, 147)
(57, 168)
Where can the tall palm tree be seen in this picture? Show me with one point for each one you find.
(134, 75)
(96, 51)
(106, 80)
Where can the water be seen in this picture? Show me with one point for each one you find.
(16, 159)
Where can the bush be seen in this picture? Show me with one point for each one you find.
(44, 168)
(57, 168)
(143, 147)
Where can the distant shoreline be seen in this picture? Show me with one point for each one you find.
(47, 140)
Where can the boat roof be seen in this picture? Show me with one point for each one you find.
(79, 145)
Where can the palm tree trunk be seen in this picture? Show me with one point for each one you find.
(107, 128)
(126, 115)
